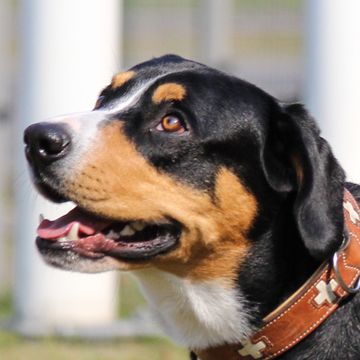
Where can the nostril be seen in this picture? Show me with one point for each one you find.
(52, 144)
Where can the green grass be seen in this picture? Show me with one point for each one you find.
(14, 347)
(264, 5)
(6, 309)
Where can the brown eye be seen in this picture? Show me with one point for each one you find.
(171, 123)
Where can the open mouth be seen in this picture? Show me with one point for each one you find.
(94, 237)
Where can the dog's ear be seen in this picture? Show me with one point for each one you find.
(296, 159)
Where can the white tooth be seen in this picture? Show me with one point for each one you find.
(127, 231)
(41, 218)
(73, 233)
(62, 239)
(137, 225)
(112, 234)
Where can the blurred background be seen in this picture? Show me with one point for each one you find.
(56, 55)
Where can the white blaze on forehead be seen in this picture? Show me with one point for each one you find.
(84, 126)
(132, 97)
(86, 123)
(82, 122)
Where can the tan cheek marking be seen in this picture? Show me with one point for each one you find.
(127, 186)
(221, 257)
(117, 182)
(168, 92)
(237, 203)
(120, 79)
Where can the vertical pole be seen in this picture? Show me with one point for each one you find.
(69, 51)
(215, 31)
(333, 76)
(6, 12)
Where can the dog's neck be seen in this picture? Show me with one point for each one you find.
(195, 314)
(277, 263)
(200, 314)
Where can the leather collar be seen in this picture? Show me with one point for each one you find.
(309, 307)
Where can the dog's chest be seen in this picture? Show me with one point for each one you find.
(195, 314)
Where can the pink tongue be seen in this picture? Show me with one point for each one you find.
(88, 224)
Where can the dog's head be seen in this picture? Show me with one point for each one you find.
(182, 167)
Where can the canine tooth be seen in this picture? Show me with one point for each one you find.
(127, 231)
(137, 225)
(41, 218)
(73, 234)
(62, 239)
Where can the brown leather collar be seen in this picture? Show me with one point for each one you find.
(305, 310)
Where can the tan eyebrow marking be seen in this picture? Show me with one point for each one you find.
(121, 78)
(169, 91)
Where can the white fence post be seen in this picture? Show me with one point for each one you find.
(6, 38)
(69, 50)
(332, 89)
(214, 19)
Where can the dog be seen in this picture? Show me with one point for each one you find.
(221, 200)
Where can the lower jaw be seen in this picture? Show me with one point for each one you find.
(128, 252)
(72, 261)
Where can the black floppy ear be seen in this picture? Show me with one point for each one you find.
(296, 159)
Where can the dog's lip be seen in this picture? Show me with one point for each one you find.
(91, 246)
(94, 237)
(98, 246)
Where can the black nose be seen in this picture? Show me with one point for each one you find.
(46, 142)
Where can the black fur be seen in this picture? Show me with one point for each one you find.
(277, 152)
(300, 224)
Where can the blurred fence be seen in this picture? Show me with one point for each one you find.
(261, 41)
(264, 45)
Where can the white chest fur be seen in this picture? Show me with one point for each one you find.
(195, 314)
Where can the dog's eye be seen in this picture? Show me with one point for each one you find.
(171, 123)
(99, 102)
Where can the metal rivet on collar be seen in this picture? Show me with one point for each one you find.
(339, 278)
